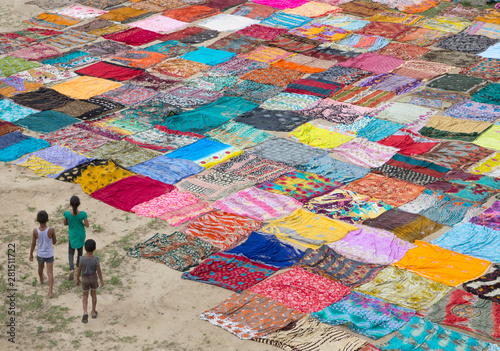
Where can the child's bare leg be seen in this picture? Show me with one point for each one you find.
(93, 293)
(85, 300)
(40, 272)
(50, 273)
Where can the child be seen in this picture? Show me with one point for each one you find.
(45, 237)
(76, 222)
(90, 268)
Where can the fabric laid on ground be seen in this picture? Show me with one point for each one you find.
(167, 170)
(471, 239)
(320, 136)
(35, 52)
(412, 170)
(486, 286)
(372, 62)
(71, 59)
(409, 143)
(248, 315)
(404, 288)
(268, 249)
(453, 58)
(253, 10)
(108, 70)
(315, 87)
(158, 23)
(433, 98)
(290, 102)
(114, 126)
(391, 82)
(46, 121)
(180, 68)
(300, 185)
(289, 152)
(71, 38)
(177, 250)
(272, 120)
(233, 272)
(366, 315)
(151, 81)
(201, 151)
(335, 111)
(466, 311)
(420, 334)
(15, 144)
(11, 112)
(42, 99)
(310, 334)
(134, 36)
(442, 265)
(273, 75)
(364, 153)
(138, 58)
(489, 138)
(402, 113)
(257, 204)
(489, 218)
(52, 20)
(208, 56)
(301, 290)
(186, 97)
(475, 111)
(307, 229)
(405, 225)
(488, 95)
(224, 22)
(464, 42)
(85, 87)
(283, 20)
(347, 206)
(342, 172)
(105, 48)
(76, 139)
(362, 96)
(341, 75)
(253, 91)
(420, 69)
(123, 152)
(403, 51)
(162, 139)
(236, 43)
(10, 65)
(7, 127)
(329, 263)
(486, 68)
(488, 165)
(222, 229)
(170, 48)
(489, 30)
(441, 208)
(239, 135)
(153, 111)
(43, 74)
(129, 94)
(128, 192)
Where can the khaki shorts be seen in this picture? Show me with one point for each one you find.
(89, 282)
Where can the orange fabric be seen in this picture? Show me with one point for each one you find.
(441, 265)
(296, 67)
(85, 87)
(122, 13)
(490, 16)
(191, 13)
(422, 6)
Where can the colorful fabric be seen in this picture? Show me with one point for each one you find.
(433, 98)
(266, 54)
(420, 69)
(363, 8)
(307, 229)
(116, 131)
(46, 121)
(313, 9)
(347, 206)
(444, 24)
(409, 143)
(124, 14)
(191, 13)
(421, 36)
(335, 111)
(257, 204)
(290, 101)
(262, 32)
(13, 85)
(365, 153)
(233, 272)
(319, 31)
(464, 42)
(420, 334)
(488, 94)
(365, 314)
(236, 43)
(162, 204)
(489, 30)
(222, 229)
(253, 91)
(320, 136)
(403, 51)
(52, 20)
(129, 94)
(489, 218)
(85, 87)
(180, 68)
(108, 70)
(373, 63)
(388, 30)
(342, 172)
(113, 28)
(337, 267)
(76, 139)
(486, 68)
(35, 52)
(475, 111)
(453, 58)
(486, 287)
(162, 139)
(301, 290)
(267, 249)
(273, 120)
(362, 96)
(239, 135)
(7, 127)
(363, 43)
(255, 11)
(70, 38)
(177, 250)
(284, 20)
(70, 59)
(404, 225)
(170, 48)
(471, 239)
(10, 65)
(134, 36)
(248, 315)
(42, 99)
(302, 186)
(125, 153)
(151, 81)
(167, 170)
(105, 48)
(138, 59)
(391, 82)
(187, 213)
(158, 23)
(15, 145)
(341, 75)
(315, 87)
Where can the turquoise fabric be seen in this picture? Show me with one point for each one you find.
(198, 150)
(46, 121)
(378, 129)
(208, 56)
(26, 146)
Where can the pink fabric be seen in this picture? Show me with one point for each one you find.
(258, 204)
(164, 203)
(281, 4)
(365, 153)
(159, 23)
(303, 291)
(375, 63)
(184, 214)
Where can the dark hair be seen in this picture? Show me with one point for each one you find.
(42, 217)
(89, 245)
(74, 202)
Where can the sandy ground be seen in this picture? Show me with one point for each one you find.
(143, 306)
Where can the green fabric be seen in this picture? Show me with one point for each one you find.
(456, 82)
(490, 94)
(10, 65)
(444, 134)
(490, 139)
(76, 230)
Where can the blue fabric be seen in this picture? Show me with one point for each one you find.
(166, 169)
(471, 239)
(11, 112)
(208, 56)
(46, 121)
(198, 150)
(421, 334)
(11, 139)
(281, 19)
(378, 129)
(26, 146)
(333, 169)
(268, 249)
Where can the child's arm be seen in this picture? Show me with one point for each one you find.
(86, 222)
(78, 273)
(99, 274)
(65, 221)
(52, 235)
(33, 244)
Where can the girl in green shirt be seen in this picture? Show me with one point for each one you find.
(76, 221)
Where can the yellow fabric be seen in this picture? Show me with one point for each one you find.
(313, 9)
(318, 136)
(445, 24)
(456, 125)
(212, 161)
(490, 139)
(308, 229)
(9, 90)
(442, 265)
(85, 87)
(490, 16)
(395, 17)
(97, 177)
(487, 165)
(41, 167)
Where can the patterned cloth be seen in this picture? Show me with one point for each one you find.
(290, 101)
(129, 94)
(464, 42)
(171, 48)
(233, 272)
(489, 138)
(224, 22)
(238, 135)
(342, 172)
(409, 143)
(403, 51)
(15, 145)
(433, 98)
(10, 65)
(365, 153)
(301, 290)
(488, 94)
(320, 136)
(486, 68)
(167, 170)
(177, 250)
(335, 111)
(255, 11)
(421, 36)
(391, 82)
(486, 287)
(362, 96)
(36, 52)
(307, 229)
(444, 24)
(134, 36)
(125, 153)
(52, 20)
(365, 314)
(349, 272)
(46, 121)
(262, 32)
(272, 120)
(76, 139)
(248, 315)
(236, 43)
(42, 99)
(284, 20)
(475, 111)
(70, 59)
(489, 218)
(105, 48)
(158, 23)
(453, 58)
(208, 56)
(180, 68)
(139, 58)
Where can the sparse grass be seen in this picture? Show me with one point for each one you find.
(97, 228)
(116, 281)
(31, 209)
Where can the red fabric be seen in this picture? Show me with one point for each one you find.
(407, 145)
(128, 192)
(181, 34)
(108, 70)
(223, 4)
(329, 88)
(134, 36)
(324, 56)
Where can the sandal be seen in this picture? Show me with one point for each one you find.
(94, 317)
(85, 318)
(70, 275)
